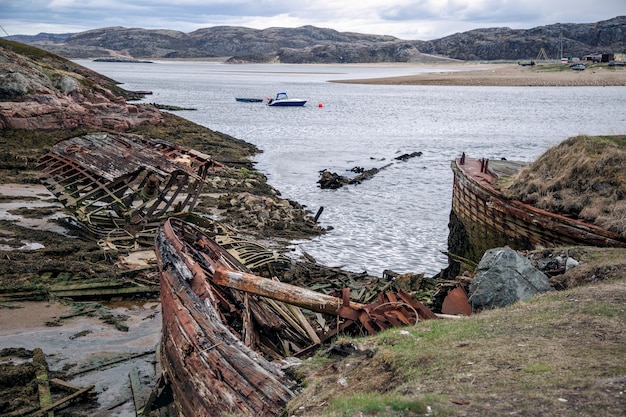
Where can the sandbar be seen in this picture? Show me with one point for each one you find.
(475, 74)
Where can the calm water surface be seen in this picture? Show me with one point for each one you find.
(397, 220)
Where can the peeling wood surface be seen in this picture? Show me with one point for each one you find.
(209, 367)
(277, 290)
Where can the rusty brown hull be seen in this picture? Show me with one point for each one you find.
(490, 220)
(210, 369)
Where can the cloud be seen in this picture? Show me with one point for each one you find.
(405, 19)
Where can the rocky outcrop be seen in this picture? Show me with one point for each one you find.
(46, 93)
(575, 40)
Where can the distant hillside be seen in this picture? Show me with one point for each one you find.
(577, 40)
(309, 44)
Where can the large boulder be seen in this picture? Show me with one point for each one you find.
(504, 277)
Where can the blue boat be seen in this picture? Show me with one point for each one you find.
(248, 100)
(283, 100)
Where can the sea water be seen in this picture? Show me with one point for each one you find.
(397, 220)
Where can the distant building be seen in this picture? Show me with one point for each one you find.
(599, 57)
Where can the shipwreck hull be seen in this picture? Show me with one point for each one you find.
(488, 220)
(121, 187)
(223, 327)
(209, 367)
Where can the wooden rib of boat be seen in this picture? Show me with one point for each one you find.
(491, 220)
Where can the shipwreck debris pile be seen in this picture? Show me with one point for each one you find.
(332, 180)
(222, 325)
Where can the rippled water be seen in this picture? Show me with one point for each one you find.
(397, 220)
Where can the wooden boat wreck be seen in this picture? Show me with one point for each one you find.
(122, 187)
(490, 220)
(225, 328)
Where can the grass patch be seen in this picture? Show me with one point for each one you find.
(377, 404)
(554, 354)
(537, 368)
(584, 177)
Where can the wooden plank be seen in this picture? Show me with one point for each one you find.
(280, 291)
(77, 394)
(43, 386)
(140, 392)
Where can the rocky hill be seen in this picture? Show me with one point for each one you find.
(577, 40)
(309, 44)
(39, 90)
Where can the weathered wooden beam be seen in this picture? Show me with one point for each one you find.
(281, 291)
(139, 391)
(45, 410)
(43, 385)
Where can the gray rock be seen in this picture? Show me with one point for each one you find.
(504, 277)
(571, 263)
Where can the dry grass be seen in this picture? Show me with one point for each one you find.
(584, 176)
(558, 354)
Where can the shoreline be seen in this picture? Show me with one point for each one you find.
(506, 75)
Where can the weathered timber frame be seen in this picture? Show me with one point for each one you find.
(212, 367)
(121, 187)
(490, 220)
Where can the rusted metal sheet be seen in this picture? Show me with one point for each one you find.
(456, 302)
(491, 220)
(121, 187)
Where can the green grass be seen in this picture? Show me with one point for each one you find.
(377, 404)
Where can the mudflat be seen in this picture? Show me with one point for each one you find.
(477, 74)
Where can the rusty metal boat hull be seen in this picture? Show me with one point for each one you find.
(490, 220)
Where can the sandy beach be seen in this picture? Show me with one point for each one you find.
(476, 74)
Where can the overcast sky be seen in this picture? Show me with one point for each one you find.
(405, 19)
